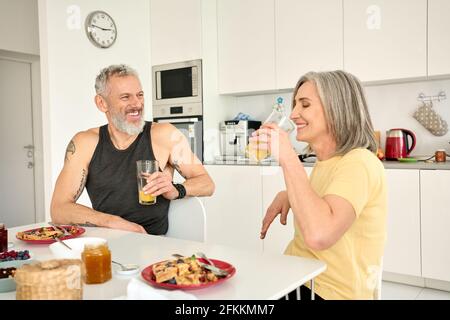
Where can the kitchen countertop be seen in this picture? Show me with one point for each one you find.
(419, 165)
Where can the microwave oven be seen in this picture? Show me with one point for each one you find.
(177, 89)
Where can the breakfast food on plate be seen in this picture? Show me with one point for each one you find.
(182, 271)
(44, 233)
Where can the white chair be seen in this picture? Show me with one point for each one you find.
(187, 219)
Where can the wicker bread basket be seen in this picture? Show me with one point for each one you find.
(50, 280)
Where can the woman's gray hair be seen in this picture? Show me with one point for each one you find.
(120, 70)
(345, 107)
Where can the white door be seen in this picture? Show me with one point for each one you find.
(438, 39)
(16, 132)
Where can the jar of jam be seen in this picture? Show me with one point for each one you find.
(3, 238)
(97, 261)
(440, 155)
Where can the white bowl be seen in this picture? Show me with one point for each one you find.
(77, 245)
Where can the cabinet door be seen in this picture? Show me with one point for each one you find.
(309, 37)
(385, 39)
(176, 30)
(246, 45)
(402, 252)
(234, 210)
(278, 236)
(435, 214)
(438, 37)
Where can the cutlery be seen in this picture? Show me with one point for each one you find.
(126, 267)
(202, 255)
(62, 242)
(62, 229)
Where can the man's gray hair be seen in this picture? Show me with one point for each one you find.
(120, 70)
(345, 107)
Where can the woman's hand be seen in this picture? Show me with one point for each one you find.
(280, 206)
(274, 140)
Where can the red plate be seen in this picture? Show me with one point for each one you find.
(76, 232)
(148, 276)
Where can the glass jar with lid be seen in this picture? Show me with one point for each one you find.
(97, 261)
(3, 238)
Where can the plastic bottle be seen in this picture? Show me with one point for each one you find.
(3, 238)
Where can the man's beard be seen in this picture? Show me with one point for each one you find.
(120, 122)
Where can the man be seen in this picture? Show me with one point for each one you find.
(104, 161)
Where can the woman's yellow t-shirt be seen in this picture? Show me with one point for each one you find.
(353, 262)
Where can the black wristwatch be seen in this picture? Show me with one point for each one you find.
(181, 190)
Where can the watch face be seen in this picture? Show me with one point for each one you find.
(101, 29)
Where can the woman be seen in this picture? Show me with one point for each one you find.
(340, 211)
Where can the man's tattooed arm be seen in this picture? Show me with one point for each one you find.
(70, 149)
(82, 184)
(177, 167)
(86, 224)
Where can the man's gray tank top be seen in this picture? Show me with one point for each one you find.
(112, 183)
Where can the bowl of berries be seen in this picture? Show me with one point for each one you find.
(10, 261)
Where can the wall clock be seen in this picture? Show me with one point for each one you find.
(101, 29)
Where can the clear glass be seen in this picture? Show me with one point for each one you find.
(143, 168)
(281, 119)
(97, 262)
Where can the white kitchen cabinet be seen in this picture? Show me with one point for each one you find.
(176, 30)
(385, 39)
(234, 210)
(402, 252)
(246, 45)
(435, 215)
(309, 37)
(438, 37)
(278, 236)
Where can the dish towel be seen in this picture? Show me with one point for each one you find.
(139, 290)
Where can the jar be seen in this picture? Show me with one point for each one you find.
(3, 238)
(97, 262)
(440, 155)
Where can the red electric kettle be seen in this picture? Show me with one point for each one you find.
(397, 143)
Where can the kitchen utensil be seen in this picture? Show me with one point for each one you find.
(397, 143)
(126, 268)
(202, 255)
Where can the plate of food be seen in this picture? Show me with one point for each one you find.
(187, 273)
(47, 235)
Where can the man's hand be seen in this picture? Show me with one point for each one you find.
(116, 222)
(279, 206)
(160, 183)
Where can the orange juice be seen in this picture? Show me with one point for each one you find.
(146, 198)
(256, 153)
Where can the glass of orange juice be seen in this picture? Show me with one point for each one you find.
(144, 169)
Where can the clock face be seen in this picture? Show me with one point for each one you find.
(101, 29)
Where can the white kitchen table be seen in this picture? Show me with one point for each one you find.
(259, 276)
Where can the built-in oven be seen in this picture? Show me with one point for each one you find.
(192, 128)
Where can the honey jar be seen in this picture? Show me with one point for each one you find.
(97, 262)
(440, 155)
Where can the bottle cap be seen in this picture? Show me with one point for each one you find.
(279, 100)
(2, 226)
(443, 150)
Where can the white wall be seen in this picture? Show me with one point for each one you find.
(18, 26)
(390, 105)
(70, 63)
